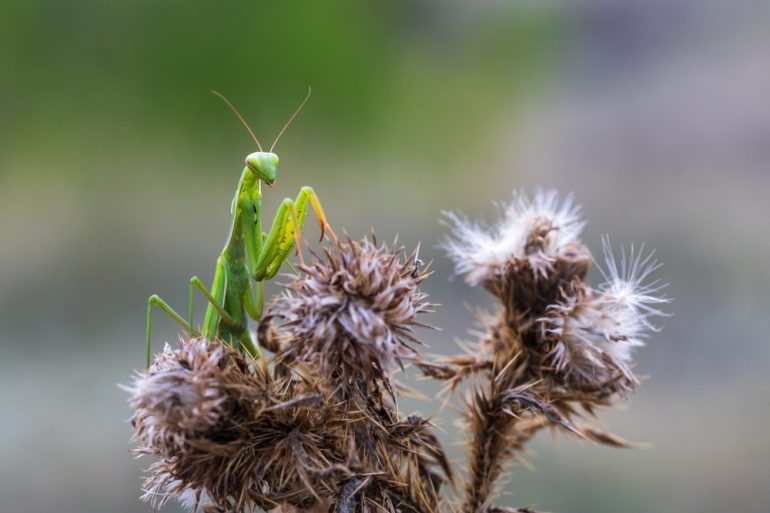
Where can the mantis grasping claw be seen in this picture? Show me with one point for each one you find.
(248, 253)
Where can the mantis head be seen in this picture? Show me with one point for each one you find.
(264, 165)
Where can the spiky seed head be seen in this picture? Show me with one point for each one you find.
(595, 331)
(535, 232)
(185, 399)
(184, 393)
(353, 309)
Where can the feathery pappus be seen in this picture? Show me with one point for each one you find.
(536, 231)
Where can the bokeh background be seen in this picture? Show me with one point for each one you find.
(117, 168)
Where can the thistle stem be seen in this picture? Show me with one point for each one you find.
(489, 437)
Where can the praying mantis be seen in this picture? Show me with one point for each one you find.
(249, 254)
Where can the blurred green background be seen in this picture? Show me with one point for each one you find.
(117, 167)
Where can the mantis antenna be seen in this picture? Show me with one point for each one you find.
(243, 121)
(291, 118)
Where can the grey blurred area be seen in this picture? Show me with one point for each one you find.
(117, 168)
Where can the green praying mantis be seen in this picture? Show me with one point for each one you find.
(249, 254)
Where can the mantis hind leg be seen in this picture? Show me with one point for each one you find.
(155, 300)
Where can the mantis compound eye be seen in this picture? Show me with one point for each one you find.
(253, 161)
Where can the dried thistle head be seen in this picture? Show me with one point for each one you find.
(186, 393)
(352, 311)
(569, 336)
(232, 434)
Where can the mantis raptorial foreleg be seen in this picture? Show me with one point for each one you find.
(292, 232)
(284, 234)
(272, 243)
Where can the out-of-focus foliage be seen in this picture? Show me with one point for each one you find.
(113, 77)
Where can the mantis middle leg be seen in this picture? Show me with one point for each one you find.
(217, 312)
(213, 314)
(216, 303)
